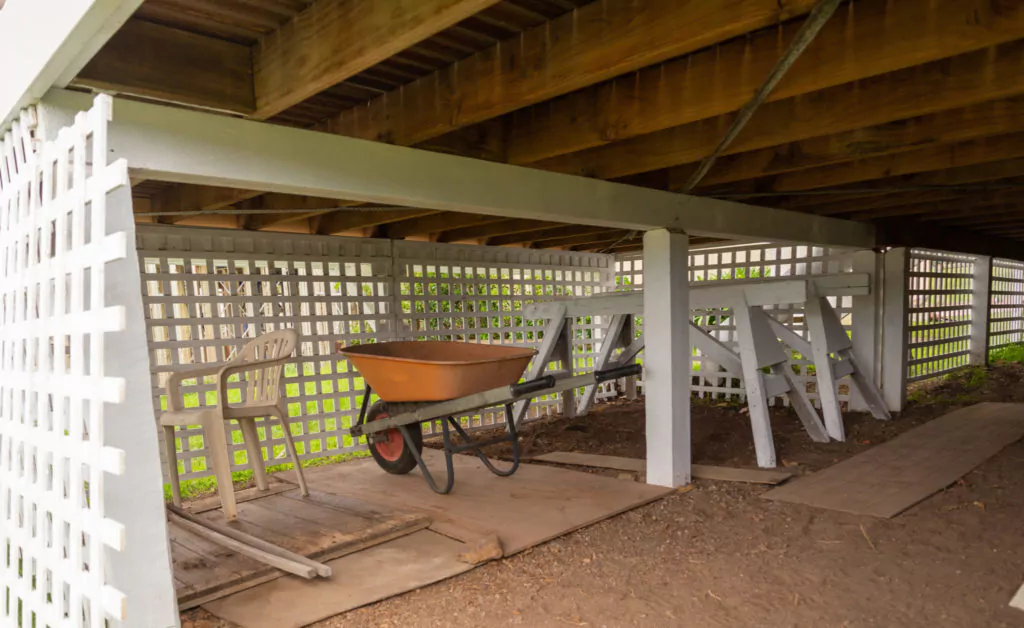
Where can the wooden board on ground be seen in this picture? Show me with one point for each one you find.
(213, 503)
(535, 505)
(1018, 599)
(888, 479)
(362, 578)
(319, 527)
(702, 471)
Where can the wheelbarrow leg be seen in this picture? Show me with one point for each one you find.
(511, 437)
(422, 465)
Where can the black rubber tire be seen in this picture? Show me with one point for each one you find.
(405, 462)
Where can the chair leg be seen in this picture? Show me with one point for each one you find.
(171, 453)
(290, 443)
(217, 453)
(252, 446)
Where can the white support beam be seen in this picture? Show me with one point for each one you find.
(866, 325)
(981, 307)
(667, 362)
(185, 146)
(45, 43)
(895, 328)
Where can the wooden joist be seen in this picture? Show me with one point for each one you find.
(349, 219)
(495, 231)
(544, 234)
(997, 148)
(435, 223)
(585, 236)
(163, 63)
(964, 202)
(863, 39)
(333, 40)
(946, 127)
(950, 83)
(574, 51)
(189, 198)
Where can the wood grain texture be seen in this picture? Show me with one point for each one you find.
(950, 83)
(154, 61)
(890, 478)
(700, 471)
(316, 527)
(595, 43)
(334, 40)
(863, 39)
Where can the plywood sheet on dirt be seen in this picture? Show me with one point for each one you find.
(1018, 599)
(887, 479)
(362, 578)
(702, 471)
(535, 505)
(320, 526)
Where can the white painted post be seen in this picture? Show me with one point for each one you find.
(894, 328)
(980, 309)
(667, 359)
(629, 383)
(866, 325)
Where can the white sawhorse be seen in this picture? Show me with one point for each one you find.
(759, 347)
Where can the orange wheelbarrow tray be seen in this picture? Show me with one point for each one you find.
(425, 381)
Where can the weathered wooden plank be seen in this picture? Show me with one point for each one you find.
(438, 222)
(348, 219)
(333, 40)
(155, 61)
(571, 52)
(946, 127)
(636, 465)
(495, 230)
(996, 148)
(950, 83)
(863, 39)
(886, 480)
(207, 504)
(544, 234)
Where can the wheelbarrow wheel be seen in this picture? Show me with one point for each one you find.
(389, 449)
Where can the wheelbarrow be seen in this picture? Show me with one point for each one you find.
(418, 382)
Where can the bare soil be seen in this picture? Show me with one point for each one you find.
(714, 554)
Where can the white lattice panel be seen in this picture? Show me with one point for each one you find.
(1006, 313)
(54, 459)
(941, 294)
(476, 294)
(744, 263)
(207, 291)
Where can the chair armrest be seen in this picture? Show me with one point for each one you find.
(173, 388)
(228, 370)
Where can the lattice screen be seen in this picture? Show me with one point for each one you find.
(748, 262)
(941, 293)
(207, 291)
(476, 294)
(1006, 313)
(54, 248)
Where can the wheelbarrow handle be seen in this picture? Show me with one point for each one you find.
(617, 372)
(531, 386)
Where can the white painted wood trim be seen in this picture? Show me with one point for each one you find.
(45, 43)
(171, 144)
(981, 309)
(894, 328)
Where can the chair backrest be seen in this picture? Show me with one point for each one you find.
(263, 385)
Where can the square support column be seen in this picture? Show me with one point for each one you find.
(867, 325)
(980, 308)
(667, 357)
(895, 350)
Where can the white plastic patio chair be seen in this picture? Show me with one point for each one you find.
(259, 363)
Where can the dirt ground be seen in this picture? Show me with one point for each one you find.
(717, 555)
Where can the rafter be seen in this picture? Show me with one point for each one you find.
(923, 208)
(921, 90)
(984, 150)
(574, 51)
(583, 237)
(495, 230)
(438, 223)
(163, 63)
(350, 219)
(333, 40)
(866, 38)
(544, 234)
(185, 198)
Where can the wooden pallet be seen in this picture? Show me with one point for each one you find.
(322, 527)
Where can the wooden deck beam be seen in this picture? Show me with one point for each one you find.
(436, 223)
(951, 83)
(333, 40)
(349, 219)
(544, 234)
(571, 52)
(496, 230)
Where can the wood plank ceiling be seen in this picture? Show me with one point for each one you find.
(909, 114)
